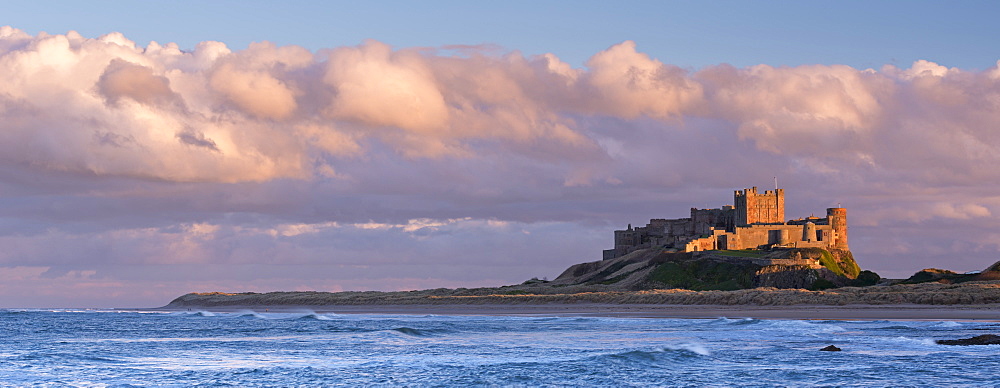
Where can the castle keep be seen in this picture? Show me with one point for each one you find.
(756, 220)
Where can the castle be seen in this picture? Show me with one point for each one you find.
(754, 221)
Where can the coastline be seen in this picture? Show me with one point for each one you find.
(907, 312)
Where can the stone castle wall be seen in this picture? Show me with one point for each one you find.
(755, 221)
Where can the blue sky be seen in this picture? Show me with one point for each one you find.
(694, 34)
(406, 145)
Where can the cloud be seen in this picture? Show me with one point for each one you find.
(928, 210)
(256, 93)
(123, 79)
(820, 111)
(159, 263)
(269, 112)
(115, 157)
(627, 84)
(197, 140)
(379, 87)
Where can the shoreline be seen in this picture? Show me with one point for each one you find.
(908, 312)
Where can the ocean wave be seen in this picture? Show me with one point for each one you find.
(247, 314)
(809, 326)
(656, 355)
(737, 321)
(62, 357)
(896, 328)
(415, 332)
(918, 325)
(915, 341)
(257, 314)
(279, 348)
(690, 347)
(317, 317)
(948, 324)
(36, 310)
(409, 331)
(195, 313)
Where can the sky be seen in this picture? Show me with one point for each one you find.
(152, 149)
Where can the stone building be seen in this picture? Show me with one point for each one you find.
(755, 221)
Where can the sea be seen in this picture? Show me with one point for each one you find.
(107, 348)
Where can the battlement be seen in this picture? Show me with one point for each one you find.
(753, 192)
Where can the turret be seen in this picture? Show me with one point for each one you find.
(809, 232)
(837, 217)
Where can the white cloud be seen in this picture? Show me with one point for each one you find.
(378, 87)
(628, 84)
(256, 93)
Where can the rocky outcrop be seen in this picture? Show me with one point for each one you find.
(799, 277)
(809, 268)
(985, 339)
(780, 276)
(830, 348)
(839, 261)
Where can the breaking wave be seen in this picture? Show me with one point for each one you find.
(311, 349)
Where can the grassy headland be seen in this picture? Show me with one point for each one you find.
(654, 277)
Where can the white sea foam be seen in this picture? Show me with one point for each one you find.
(691, 347)
(921, 341)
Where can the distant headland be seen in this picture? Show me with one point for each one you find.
(746, 254)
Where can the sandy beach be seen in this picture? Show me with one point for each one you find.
(849, 312)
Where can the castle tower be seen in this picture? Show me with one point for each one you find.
(837, 217)
(783, 238)
(809, 232)
(754, 208)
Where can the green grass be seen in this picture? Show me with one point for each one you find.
(850, 266)
(846, 266)
(741, 253)
(826, 259)
(704, 275)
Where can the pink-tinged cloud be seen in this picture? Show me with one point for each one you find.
(377, 87)
(379, 163)
(270, 112)
(627, 84)
(122, 79)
